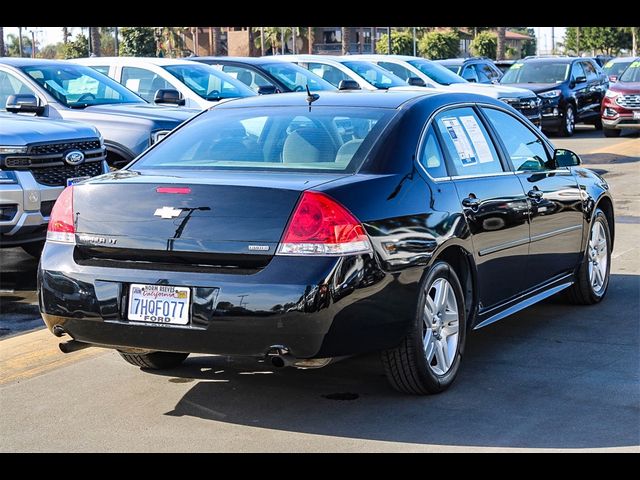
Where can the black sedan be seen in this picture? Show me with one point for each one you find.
(305, 228)
(268, 74)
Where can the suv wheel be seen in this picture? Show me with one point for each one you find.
(569, 121)
(428, 358)
(598, 123)
(154, 360)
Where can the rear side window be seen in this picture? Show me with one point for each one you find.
(144, 82)
(325, 139)
(431, 157)
(467, 143)
(525, 149)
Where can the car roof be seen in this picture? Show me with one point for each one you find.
(457, 61)
(624, 59)
(24, 62)
(553, 59)
(380, 56)
(348, 98)
(247, 60)
(136, 60)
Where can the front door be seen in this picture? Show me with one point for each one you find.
(494, 204)
(554, 198)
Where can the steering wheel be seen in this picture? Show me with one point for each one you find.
(86, 96)
(298, 88)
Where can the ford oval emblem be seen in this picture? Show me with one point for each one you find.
(74, 157)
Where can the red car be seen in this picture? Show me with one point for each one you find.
(621, 104)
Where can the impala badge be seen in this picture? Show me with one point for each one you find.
(262, 248)
(167, 212)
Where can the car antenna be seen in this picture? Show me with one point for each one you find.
(311, 97)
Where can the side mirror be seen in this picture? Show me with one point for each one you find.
(348, 85)
(24, 103)
(168, 96)
(565, 158)
(416, 82)
(267, 89)
(581, 79)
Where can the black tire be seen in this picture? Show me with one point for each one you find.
(611, 132)
(34, 248)
(154, 360)
(582, 291)
(568, 125)
(598, 124)
(406, 365)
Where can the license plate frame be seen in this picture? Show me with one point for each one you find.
(74, 180)
(173, 300)
(636, 114)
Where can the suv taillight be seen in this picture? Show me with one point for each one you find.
(61, 227)
(321, 226)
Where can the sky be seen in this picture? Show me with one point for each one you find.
(46, 35)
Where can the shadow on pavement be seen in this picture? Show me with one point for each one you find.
(18, 301)
(533, 380)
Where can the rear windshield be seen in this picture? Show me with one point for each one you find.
(325, 139)
(632, 73)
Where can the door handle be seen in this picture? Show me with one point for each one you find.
(535, 193)
(471, 202)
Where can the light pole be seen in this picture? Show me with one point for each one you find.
(33, 44)
(414, 41)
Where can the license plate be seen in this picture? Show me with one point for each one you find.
(636, 114)
(74, 180)
(161, 304)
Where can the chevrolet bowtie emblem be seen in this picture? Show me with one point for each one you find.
(167, 212)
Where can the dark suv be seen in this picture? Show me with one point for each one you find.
(64, 90)
(474, 69)
(571, 89)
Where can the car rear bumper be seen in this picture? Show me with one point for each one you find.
(315, 307)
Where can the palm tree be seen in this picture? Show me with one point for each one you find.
(215, 34)
(502, 32)
(1, 41)
(272, 38)
(347, 35)
(65, 34)
(94, 33)
(172, 36)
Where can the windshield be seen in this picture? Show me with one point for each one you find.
(612, 68)
(209, 83)
(436, 72)
(77, 86)
(537, 72)
(632, 74)
(296, 78)
(375, 75)
(327, 139)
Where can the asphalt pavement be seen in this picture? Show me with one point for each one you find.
(554, 376)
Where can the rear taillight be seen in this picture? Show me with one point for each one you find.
(61, 227)
(321, 226)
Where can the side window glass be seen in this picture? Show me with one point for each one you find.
(482, 74)
(103, 69)
(144, 82)
(577, 71)
(525, 149)
(467, 143)
(431, 157)
(10, 85)
(329, 73)
(590, 70)
(469, 74)
(247, 76)
(396, 69)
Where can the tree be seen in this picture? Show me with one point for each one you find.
(76, 48)
(607, 40)
(13, 45)
(439, 45)
(216, 44)
(501, 42)
(53, 50)
(94, 35)
(484, 45)
(347, 38)
(137, 42)
(107, 42)
(65, 34)
(401, 43)
(172, 41)
(1, 41)
(272, 38)
(528, 46)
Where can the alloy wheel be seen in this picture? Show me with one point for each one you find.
(440, 326)
(598, 257)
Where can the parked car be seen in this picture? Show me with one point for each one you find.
(614, 67)
(601, 60)
(621, 105)
(435, 75)
(200, 86)
(267, 75)
(264, 227)
(65, 90)
(38, 158)
(474, 69)
(571, 89)
(504, 65)
(334, 70)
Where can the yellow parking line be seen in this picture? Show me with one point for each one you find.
(31, 354)
(630, 146)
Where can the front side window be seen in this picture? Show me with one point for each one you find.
(249, 77)
(78, 86)
(207, 82)
(590, 71)
(525, 149)
(577, 71)
(398, 70)
(537, 72)
(103, 69)
(11, 85)
(467, 143)
(436, 72)
(297, 78)
(325, 139)
(375, 75)
(488, 71)
(329, 73)
(144, 82)
(469, 74)
(431, 157)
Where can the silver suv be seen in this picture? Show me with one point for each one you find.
(38, 158)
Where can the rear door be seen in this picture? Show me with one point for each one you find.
(555, 200)
(493, 201)
(580, 89)
(594, 89)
